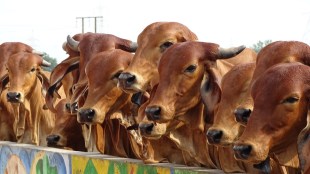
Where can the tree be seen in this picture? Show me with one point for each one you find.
(259, 45)
(51, 60)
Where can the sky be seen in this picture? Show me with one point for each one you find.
(44, 25)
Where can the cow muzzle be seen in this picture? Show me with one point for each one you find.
(52, 140)
(14, 97)
(127, 80)
(242, 115)
(86, 115)
(214, 136)
(153, 112)
(242, 151)
(146, 128)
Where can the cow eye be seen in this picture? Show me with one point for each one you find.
(290, 100)
(165, 45)
(32, 69)
(117, 74)
(190, 68)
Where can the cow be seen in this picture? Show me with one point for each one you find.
(304, 147)
(272, 54)
(278, 116)
(7, 115)
(187, 71)
(235, 86)
(27, 86)
(108, 106)
(152, 42)
(67, 132)
(64, 74)
(89, 45)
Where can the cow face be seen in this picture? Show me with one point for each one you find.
(181, 71)
(279, 113)
(67, 132)
(142, 73)
(23, 69)
(235, 86)
(103, 94)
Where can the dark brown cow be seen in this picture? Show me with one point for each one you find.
(67, 132)
(142, 75)
(32, 123)
(280, 111)
(177, 107)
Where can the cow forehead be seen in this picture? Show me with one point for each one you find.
(161, 31)
(288, 78)
(180, 55)
(23, 60)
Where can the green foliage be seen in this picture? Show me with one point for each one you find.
(260, 44)
(51, 60)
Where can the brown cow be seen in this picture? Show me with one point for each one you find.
(235, 86)
(32, 123)
(67, 132)
(7, 115)
(104, 99)
(272, 54)
(304, 147)
(152, 42)
(280, 97)
(177, 107)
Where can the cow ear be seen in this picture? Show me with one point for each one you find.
(57, 75)
(210, 92)
(4, 80)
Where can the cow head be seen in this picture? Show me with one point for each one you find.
(23, 70)
(181, 71)
(142, 74)
(89, 46)
(272, 54)
(67, 132)
(103, 94)
(279, 113)
(235, 86)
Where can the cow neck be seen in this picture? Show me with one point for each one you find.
(122, 104)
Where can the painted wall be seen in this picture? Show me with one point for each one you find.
(28, 159)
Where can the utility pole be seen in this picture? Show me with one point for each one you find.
(89, 17)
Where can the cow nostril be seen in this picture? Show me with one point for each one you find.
(153, 112)
(146, 128)
(74, 107)
(242, 115)
(90, 113)
(67, 105)
(214, 136)
(242, 151)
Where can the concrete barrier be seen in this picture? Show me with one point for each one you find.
(30, 159)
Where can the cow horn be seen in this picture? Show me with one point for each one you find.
(230, 52)
(73, 44)
(45, 63)
(64, 46)
(134, 46)
(37, 52)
